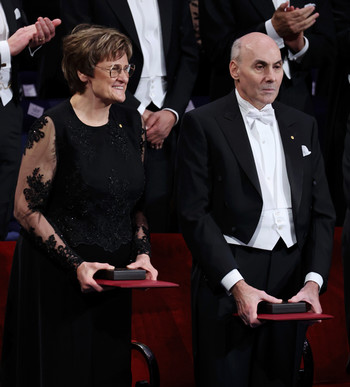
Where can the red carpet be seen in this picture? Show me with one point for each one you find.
(162, 320)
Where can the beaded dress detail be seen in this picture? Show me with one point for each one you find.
(88, 197)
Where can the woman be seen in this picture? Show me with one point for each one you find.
(78, 199)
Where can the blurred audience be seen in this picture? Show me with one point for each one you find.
(304, 32)
(339, 110)
(51, 83)
(15, 37)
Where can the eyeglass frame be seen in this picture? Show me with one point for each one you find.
(128, 69)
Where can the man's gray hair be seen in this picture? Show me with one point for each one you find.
(236, 49)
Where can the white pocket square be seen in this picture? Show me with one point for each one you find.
(17, 13)
(305, 151)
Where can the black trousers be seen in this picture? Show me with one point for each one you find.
(10, 155)
(227, 353)
(159, 193)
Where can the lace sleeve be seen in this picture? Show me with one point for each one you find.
(33, 189)
(143, 143)
(142, 243)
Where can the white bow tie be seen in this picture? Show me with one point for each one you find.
(266, 116)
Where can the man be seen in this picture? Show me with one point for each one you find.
(14, 38)
(165, 55)
(256, 213)
(303, 31)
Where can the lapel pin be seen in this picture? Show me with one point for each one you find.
(120, 125)
(292, 137)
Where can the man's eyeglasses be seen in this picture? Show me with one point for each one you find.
(115, 70)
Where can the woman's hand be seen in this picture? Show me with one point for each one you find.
(85, 274)
(143, 262)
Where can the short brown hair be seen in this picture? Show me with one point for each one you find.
(88, 45)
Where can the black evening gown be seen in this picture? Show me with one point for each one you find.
(84, 195)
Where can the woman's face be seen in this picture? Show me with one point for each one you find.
(106, 88)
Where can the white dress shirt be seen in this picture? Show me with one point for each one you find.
(152, 86)
(276, 220)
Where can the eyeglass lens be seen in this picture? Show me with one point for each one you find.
(117, 69)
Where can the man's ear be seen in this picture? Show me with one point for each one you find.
(234, 70)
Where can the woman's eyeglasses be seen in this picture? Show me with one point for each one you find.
(116, 69)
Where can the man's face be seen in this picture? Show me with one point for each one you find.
(258, 74)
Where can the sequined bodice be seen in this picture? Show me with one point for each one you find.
(95, 193)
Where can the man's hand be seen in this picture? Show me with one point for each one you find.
(33, 35)
(45, 31)
(247, 299)
(310, 294)
(289, 21)
(158, 126)
(295, 43)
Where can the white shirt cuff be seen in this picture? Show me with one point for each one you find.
(273, 34)
(5, 54)
(141, 109)
(299, 55)
(231, 279)
(315, 277)
(234, 276)
(176, 115)
(5, 73)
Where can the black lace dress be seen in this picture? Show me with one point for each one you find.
(79, 192)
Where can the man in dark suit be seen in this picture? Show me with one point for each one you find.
(13, 40)
(162, 84)
(223, 21)
(256, 213)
